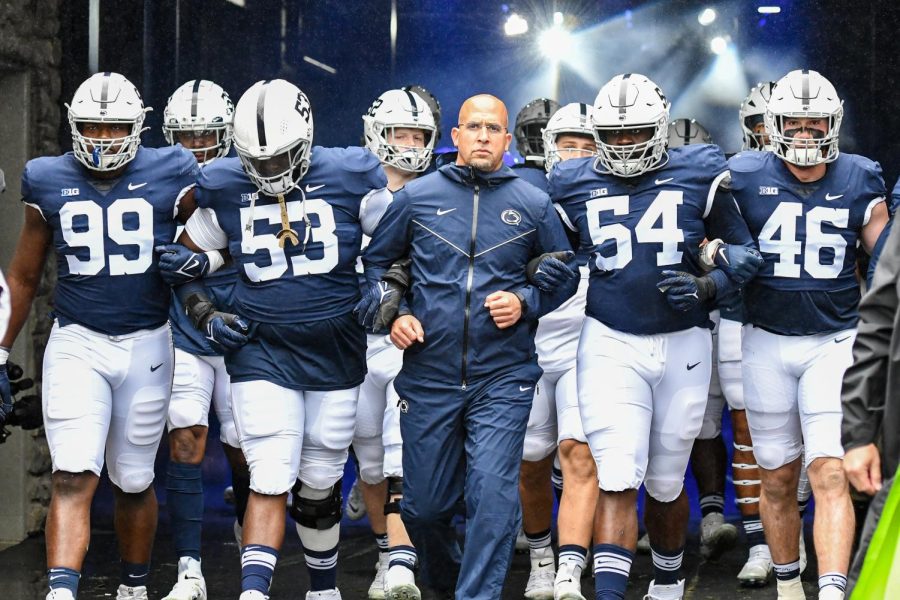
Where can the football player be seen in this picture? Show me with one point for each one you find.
(752, 115)
(529, 131)
(108, 364)
(400, 130)
(198, 116)
(554, 425)
(808, 205)
(642, 212)
(292, 217)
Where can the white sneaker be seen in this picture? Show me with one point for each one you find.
(716, 536)
(253, 595)
(790, 590)
(400, 584)
(126, 592)
(643, 544)
(190, 584)
(674, 591)
(356, 506)
(333, 594)
(758, 568)
(542, 576)
(376, 590)
(568, 583)
(521, 542)
(60, 594)
(802, 551)
(831, 593)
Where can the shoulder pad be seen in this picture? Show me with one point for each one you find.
(748, 161)
(703, 157)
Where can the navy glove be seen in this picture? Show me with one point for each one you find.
(6, 405)
(549, 271)
(739, 262)
(381, 303)
(178, 264)
(685, 291)
(225, 331)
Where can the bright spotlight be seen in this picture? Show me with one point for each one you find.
(555, 43)
(768, 10)
(515, 25)
(558, 18)
(707, 17)
(718, 44)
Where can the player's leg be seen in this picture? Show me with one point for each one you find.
(231, 443)
(579, 495)
(140, 401)
(269, 420)
(400, 581)
(820, 414)
(327, 435)
(369, 451)
(679, 402)
(495, 418)
(770, 394)
(708, 463)
(192, 390)
(77, 402)
(616, 420)
(535, 490)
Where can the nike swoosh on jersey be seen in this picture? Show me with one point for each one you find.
(312, 188)
(662, 181)
(441, 212)
(829, 197)
(522, 388)
(134, 186)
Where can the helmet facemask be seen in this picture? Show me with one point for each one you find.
(821, 147)
(105, 154)
(175, 134)
(404, 157)
(631, 160)
(279, 173)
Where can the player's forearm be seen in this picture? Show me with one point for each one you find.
(21, 290)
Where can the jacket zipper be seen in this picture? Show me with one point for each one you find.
(469, 279)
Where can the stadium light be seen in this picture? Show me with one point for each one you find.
(515, 25)
(558, 18)
(707, 17)
(555, 43)
(768, 10)
(718, 44)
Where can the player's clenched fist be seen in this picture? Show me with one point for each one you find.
(406, 331)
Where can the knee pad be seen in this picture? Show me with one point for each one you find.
(130, 478)
(772, 456)
(369, 459)
(316, 509)
(394, 494)
(664, 490)
(538, 444)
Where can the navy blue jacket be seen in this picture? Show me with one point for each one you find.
(469, 234)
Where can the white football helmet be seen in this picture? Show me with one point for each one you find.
(399, 109)
(684, 132)
(201, 107)
(752, 112)
(804, 94)
(273, 134)
(529, 128)
(106, 98)
(572, 118)
(631, 102)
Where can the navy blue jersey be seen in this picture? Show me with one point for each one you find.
(807, 233)
(315, 279)
(108, 279)
(635, 228)
(534, 176)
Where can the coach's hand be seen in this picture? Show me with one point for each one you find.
(406, 331)
(505, 307)
(863, 468)
(227, 331)
(178, 264)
